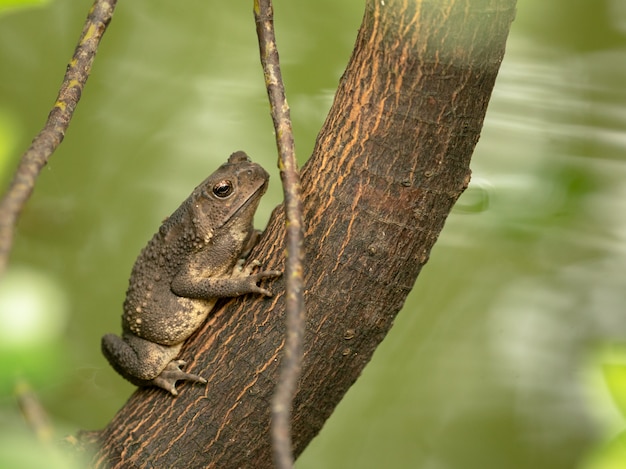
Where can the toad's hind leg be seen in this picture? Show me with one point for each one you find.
(146, 363)
(172, 373)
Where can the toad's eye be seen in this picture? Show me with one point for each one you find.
(223, 189)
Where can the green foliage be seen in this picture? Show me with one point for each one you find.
(610, 363)
(611, 456)
(615, 375)
(9, 5)
(8, 140)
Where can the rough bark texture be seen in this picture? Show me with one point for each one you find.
(390, 161)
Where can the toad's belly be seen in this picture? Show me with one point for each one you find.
(168, 324)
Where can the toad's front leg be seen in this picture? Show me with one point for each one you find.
(240, 282)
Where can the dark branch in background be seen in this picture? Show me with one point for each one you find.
(294, 302)
(51, 136)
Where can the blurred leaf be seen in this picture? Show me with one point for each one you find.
(615, 376)
(8, 137)
(612, 456)
(475, 199)
(7, 5)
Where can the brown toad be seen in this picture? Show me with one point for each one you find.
(192, 260)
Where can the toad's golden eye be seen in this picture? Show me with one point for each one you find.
(223, 189)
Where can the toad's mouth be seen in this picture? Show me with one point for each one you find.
(251, 200)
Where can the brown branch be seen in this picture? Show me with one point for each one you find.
(51, 136)
(294, 301)
(389, 163)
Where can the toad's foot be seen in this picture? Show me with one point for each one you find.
(239, 271)
(172, 373)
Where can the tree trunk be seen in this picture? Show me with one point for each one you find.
(389, 163)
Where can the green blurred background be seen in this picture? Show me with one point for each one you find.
(510, 350)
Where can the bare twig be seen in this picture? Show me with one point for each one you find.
(34, 413)
(51, 136)
(294, 303)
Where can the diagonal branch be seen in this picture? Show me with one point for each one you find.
(389, 162)
(51, 136)
(294, 302)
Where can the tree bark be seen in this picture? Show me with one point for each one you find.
(389, 163)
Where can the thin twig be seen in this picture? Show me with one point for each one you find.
(33, 411)
(51, 136)
(294, 302)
